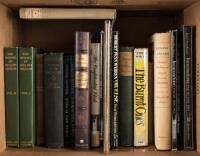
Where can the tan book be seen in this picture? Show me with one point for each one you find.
(66, 13)
(162, 91)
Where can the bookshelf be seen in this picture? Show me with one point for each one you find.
(132, 21)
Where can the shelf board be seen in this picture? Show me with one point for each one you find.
(149, 151)
(118, 4)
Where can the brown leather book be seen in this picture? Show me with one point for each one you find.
(82, 81)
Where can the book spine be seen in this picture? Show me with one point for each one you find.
(11, 67)
(162, 91)
(114, 102)
(39, 100)
(174, 87)
(151, 95)
(126, 96)
(82, 81)
(66, 101)
(72, 100)
(27, 96)
(188, 88)
(95, 92)
(53, 94)
(140, 97)
(101, 85)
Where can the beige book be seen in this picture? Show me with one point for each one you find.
(66, 13)
(162, 91)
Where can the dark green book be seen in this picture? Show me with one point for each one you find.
(126, 96)
(27, 96)
(11, 96)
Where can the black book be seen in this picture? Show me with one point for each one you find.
(188, 90)
(66, 100)
(174, 36)
(72, 100)
(53, 95)
(114, 101)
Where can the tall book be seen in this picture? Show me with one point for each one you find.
(114, 101)
(126, 96)
(66, 100)
(27, 96)
(101, 84)
(174, 86)
(72, 100)
(11, 77)
(162, 90)
(140, 89)
(39, 100)
(188, 90)
(82, 90)
(95, 94)
(53, 96)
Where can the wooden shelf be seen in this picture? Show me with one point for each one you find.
(118, 4)
(150, 151)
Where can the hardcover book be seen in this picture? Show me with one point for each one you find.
(66, 100)
(188, 83)
(126, 96)
(82, 88)
(162, 90)
(140, 89)
(11, 77)
(95, 93)
(27, 96)
(53, 96)
(114, 101)
(72, 100)
(39, 100)
(174, 85)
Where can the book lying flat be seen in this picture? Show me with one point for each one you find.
(66, 13)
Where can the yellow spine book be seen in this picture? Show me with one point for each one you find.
(140, 97)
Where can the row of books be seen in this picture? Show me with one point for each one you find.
(151, 94)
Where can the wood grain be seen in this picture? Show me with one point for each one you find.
(119, 4)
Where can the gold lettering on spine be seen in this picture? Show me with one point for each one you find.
(82, 79)
(82, 60)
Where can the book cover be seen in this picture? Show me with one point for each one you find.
(114, 101)
(66, 100)
(82, 90)
(162, 90)
(140, 89)
(188, 90)
(126, 96)
(95, 94)
(54, 99)
(39, 99)
(27, 96)
(11, 78)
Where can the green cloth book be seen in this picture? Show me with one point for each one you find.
(11, 96)
(27, 96)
